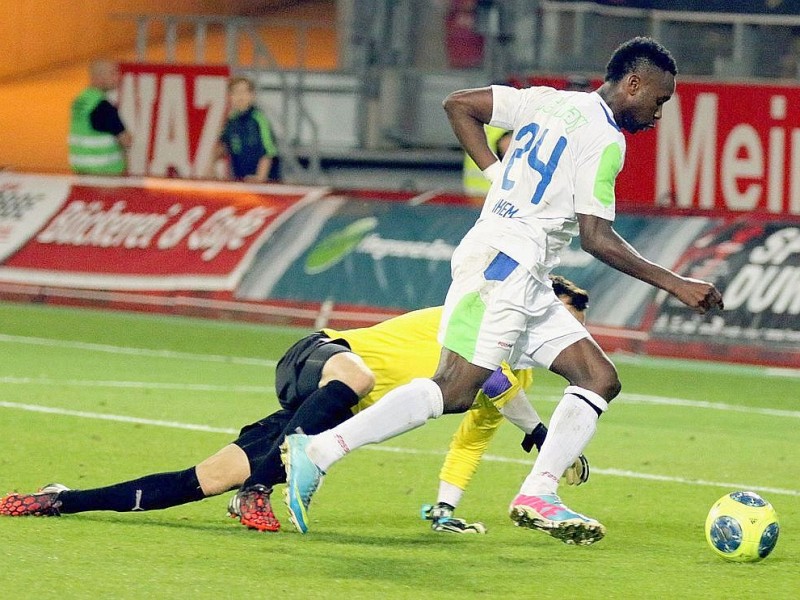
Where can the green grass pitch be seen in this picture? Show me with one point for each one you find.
(90, 398)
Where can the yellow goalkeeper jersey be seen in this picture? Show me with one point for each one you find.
(401, 349)
(396, 351)
(405, 348)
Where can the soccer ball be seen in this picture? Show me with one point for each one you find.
(742, 527)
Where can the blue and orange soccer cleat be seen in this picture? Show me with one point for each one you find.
(253, 509)
(547, 513)
(303, 478)
(43, 503)
(443, 521)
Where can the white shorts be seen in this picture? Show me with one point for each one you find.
(496, 310)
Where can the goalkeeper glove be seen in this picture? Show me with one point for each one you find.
(578, 472)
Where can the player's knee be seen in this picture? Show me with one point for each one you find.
(607, 384)
(601, 379)
(361, 381)
(600, 376)
(351, 370)
(612, 390)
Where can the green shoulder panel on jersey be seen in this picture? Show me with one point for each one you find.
(607, 171)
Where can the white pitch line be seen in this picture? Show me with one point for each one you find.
(146, 385)
(704, 366)
(554, 395)
(148, 352)
(621, 357)
(703, 482)
(488, 457)
(612, 472)
(117, 418)
(666, 401)
(540, 395)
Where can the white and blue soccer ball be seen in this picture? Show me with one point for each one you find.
(742, 527)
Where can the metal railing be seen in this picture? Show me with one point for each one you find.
(743, 33)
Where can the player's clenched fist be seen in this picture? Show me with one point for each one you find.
(699, 295)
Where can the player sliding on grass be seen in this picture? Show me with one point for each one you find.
(478, 427)
(320, 381)
(556, 180)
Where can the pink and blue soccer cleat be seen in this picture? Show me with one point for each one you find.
(547, 513)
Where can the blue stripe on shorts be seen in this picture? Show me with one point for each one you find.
(500, 268)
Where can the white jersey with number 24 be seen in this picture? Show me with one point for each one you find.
(565, 154)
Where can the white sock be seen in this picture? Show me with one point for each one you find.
(449, 493)
(402, 409)
(572, 427)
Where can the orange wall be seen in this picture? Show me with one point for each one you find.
(45, 33)
(46, 67)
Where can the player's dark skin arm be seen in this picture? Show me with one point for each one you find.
(468, 111)
(599, 239)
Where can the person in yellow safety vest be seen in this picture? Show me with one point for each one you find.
(97, 137)
(474, 182)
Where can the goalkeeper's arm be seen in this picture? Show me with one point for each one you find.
(519, 411)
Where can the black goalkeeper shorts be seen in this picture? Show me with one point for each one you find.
(299, 370)
(297, 375)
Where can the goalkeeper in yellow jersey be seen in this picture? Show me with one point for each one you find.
(320, 381)
(502, 397)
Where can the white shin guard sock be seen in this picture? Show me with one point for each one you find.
(572, 427)
(449, 493)
(402, 409)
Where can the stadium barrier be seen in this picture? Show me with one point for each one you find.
(312, 256)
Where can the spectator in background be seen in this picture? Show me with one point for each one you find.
(246, 140)
(97, 137)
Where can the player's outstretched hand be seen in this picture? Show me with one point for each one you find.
(699, 295)
(578, 472)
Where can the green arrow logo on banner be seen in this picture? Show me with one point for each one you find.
(337, 245)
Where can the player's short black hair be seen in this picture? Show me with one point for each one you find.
(579, 298)
(636, 53)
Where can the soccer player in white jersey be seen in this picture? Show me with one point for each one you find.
(556, 181)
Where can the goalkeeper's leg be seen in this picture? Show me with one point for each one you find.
(219, 473)
(466, 449)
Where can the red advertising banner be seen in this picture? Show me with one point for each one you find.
(729, 148)
(311, 255)
(26, 204)
(724, 148)
(166, 235)
(175, 114)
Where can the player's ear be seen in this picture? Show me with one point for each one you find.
(633, 82)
